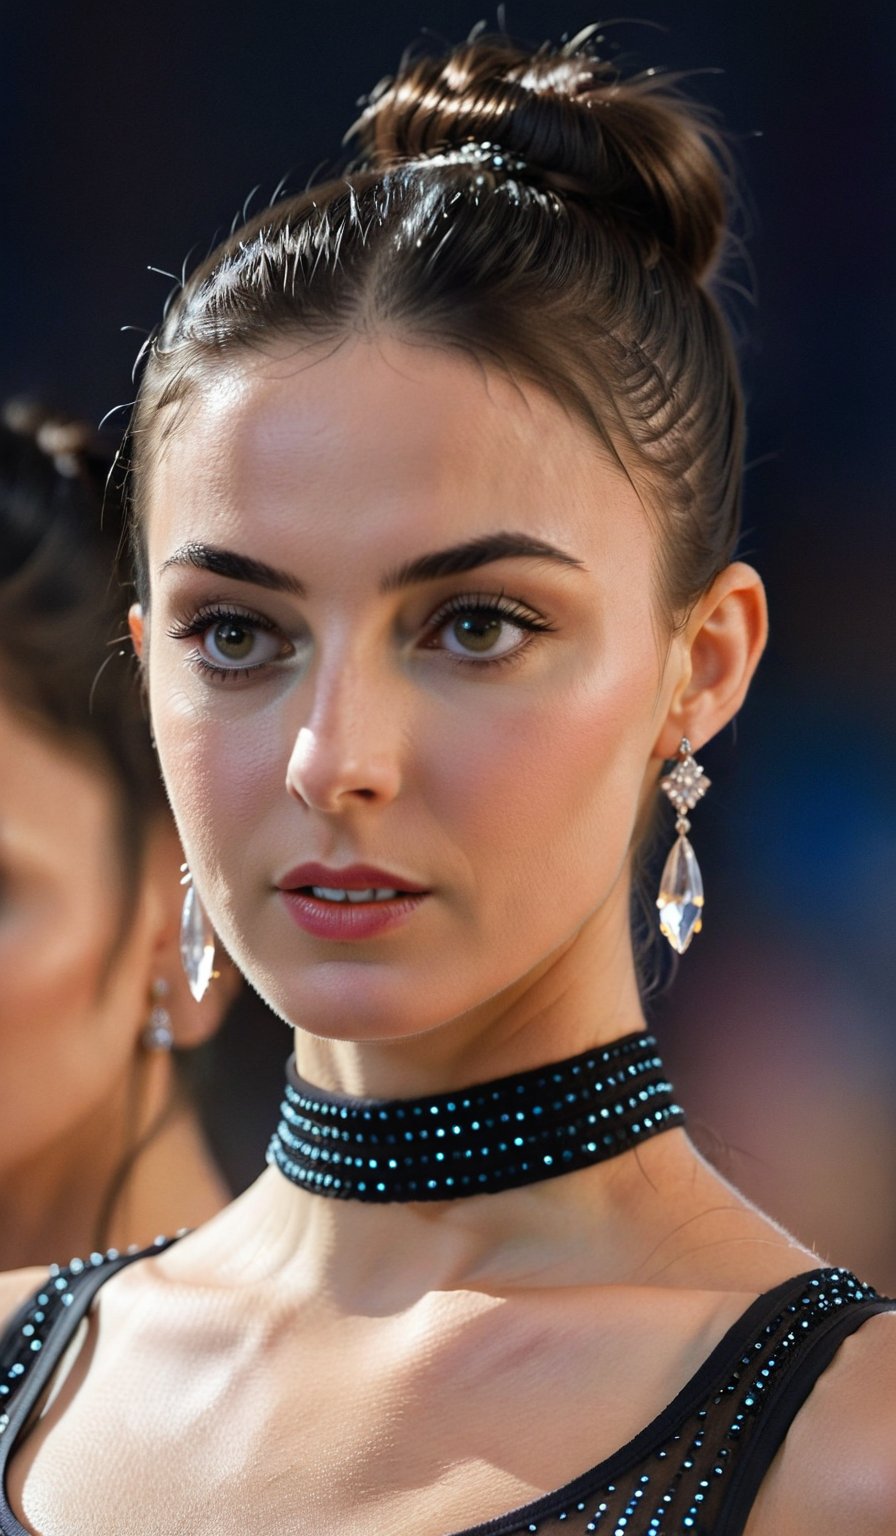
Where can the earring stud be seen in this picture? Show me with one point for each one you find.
(680, 900)
(158, 1034)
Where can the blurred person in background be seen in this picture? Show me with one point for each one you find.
(100, 1143)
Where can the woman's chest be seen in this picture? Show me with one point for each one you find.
(430, 1424)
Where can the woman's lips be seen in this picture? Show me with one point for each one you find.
(352, 877)
(347, 919)
(325, 918)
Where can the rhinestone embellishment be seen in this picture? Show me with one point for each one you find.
(482, 156)
(680, 900)
(687, 783)
(158, 1034)
(497, 1135)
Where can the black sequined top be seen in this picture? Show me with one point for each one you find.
(694, 1471)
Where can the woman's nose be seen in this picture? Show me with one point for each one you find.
(349, 750)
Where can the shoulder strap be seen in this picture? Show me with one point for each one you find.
(41, 1331)
(789, 1397)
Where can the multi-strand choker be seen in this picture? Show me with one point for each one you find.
(498, 1135)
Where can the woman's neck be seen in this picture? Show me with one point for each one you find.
(634, 1219)
(559, 1231)
(606, 1224)
(577, 999)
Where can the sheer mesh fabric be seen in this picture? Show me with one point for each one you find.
(694, 1471)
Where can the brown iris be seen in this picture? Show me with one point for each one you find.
(477, 632)
(234, 641)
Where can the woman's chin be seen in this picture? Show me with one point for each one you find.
(352, 1003)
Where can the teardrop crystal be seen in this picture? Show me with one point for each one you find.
(197, 944)
(680, 900)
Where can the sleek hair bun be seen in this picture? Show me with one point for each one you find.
(630, 149)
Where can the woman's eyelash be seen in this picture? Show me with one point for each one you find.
(511, 613)
(207, 618)
(199, 622)
(497, 605)
(492, 605)
(466, 602)
(231, 675)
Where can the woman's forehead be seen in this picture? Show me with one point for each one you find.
(376, 437)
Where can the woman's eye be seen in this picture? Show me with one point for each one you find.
(236, 644)
(483, 632)
(231, 642)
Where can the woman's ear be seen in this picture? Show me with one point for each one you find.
(717, 653)
(135, 625)
(192, 1023)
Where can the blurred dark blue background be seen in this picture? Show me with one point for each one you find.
(134, 134)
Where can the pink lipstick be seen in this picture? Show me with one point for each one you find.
(358, 901)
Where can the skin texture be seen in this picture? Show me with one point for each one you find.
(392, 1367)
(368, 742)
(72, 1009)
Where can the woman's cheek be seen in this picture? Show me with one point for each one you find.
(213, 758)
(577, 741)
(560, 772)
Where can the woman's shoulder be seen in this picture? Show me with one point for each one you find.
(836, 1469)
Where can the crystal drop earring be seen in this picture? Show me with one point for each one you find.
(680, 899)
(158, 1034)
(197, 939)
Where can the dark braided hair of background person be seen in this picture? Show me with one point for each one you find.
(65, 583)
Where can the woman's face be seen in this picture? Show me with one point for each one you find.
(68, 1017)
(402, 617)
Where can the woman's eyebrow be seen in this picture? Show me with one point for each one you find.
(226, 562)
(472, 553)
(440, 562)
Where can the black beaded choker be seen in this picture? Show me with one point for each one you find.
(492, 1136)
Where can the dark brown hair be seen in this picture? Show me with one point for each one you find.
(544, 215)
(66, 666)
(64, 584)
